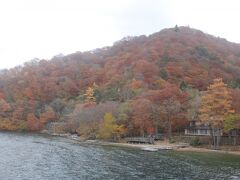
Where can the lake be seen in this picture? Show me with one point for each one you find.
(38, 157)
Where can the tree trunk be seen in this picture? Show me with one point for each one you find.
(169, 130)
(229, 139)
(212, 141)
(235, 136)
(218, 138)
(214, 138)
(142, 131)
(156, 131)
(237, 139)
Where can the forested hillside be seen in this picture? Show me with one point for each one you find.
(134, 87)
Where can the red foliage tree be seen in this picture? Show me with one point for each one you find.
(33, 123)
(172, 104)
(142, 116)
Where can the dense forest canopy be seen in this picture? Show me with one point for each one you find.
(135, 85)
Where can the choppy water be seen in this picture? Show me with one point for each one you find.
(26, 156)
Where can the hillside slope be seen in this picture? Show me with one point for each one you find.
(42, 91)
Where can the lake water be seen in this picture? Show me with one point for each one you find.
(37, 157)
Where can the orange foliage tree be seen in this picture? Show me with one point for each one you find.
(216, 105)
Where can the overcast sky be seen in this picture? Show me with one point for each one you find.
(44, 28)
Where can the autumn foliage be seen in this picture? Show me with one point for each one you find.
(216, 104)
(152, 74)
(215, 108)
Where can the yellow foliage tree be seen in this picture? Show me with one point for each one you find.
(110, 130)
(232, 123)
(89, 95)
(216, 105)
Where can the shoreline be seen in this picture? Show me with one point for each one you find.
(158, 146)
(175, 148)
(162, 146)
(180, 149)
(205, 150)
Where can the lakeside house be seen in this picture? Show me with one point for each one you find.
(195, 129)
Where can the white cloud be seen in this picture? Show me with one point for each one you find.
(44, 28)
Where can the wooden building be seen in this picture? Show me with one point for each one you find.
(195, 129)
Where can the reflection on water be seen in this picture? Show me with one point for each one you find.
(25, 156)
